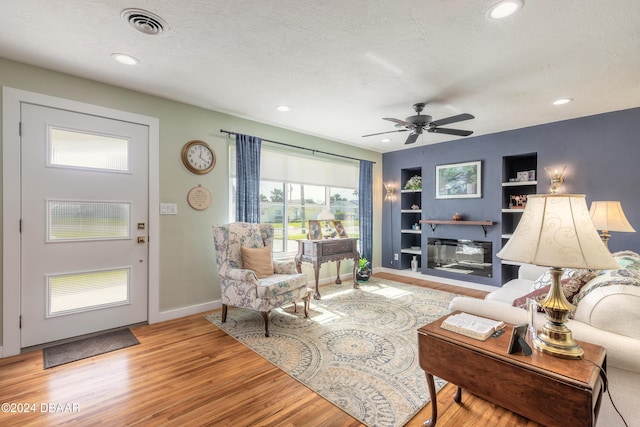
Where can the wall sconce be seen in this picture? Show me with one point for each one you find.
(556, 173)
(388, 192)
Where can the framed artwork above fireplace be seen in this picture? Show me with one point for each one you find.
(459, 180)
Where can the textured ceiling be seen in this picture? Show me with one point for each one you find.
(343, 65)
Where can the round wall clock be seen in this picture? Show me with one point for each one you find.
(199, 198)
(198, 157)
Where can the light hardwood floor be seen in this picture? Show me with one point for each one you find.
(187, 372)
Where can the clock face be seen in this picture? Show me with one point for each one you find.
(198, 157)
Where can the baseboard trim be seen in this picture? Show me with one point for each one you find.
(187, 311)
(446, 281)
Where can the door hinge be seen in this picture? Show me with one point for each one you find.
(20, 226)
(20, 128)
(20, 322)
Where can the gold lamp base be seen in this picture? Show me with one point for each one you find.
(555, 338)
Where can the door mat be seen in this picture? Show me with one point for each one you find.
(88, 347)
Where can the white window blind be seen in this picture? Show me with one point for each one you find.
(281, 165)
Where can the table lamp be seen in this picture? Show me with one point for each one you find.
(326, 216)
(609, 216)
(556, 231)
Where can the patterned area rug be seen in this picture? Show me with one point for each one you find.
(358, 348)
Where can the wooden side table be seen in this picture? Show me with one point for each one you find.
(546, 389)
(320, 251)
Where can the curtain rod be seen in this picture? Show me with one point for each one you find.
(295, 146)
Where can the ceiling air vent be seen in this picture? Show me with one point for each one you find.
(144, 21)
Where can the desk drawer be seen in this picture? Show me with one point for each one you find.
(337, 247)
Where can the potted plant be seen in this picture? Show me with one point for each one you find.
(363, 272)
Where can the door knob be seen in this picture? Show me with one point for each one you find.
(142, 239)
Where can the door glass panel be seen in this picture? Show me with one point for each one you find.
(73, 293)
(69, 220)
(87, 151)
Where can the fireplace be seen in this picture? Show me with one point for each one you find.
(472, 257)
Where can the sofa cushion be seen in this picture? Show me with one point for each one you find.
(259, 260)
(509, 291)
(537, 295)
(611, 302)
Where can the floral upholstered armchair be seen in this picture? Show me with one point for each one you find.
(249, 277)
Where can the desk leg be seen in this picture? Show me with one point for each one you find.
(316, 270)
(356, 285)
(338, 281)
(431, 422)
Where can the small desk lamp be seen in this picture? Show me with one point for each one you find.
(609, 216)
(556, 231)
(326, 216)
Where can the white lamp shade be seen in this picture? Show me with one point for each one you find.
(326, 215)
(609, 216)
(556, 231)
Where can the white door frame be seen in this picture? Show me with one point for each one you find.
(11, 204)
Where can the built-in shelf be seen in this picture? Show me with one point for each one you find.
(523, 166)
(410, 230)
(433, 223)
(411, 251)
(519, 183)
(411, 211)
(410, 191)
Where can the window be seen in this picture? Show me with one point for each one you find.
(295, 189)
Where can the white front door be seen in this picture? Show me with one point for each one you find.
(84, 223)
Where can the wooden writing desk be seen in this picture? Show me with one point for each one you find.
(320, 251)
(546, 389)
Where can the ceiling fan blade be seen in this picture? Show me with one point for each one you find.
(452, 119)
(413, 137)
(458, 132)
(382, 133)
(398, 121)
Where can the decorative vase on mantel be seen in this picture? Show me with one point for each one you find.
(414, 264)
(457, 217)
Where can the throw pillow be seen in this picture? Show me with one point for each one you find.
(571, 286)
(259, 260)
(537, 295)
(627, 259)
(545, 279)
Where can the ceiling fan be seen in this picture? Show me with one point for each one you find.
(419, 123)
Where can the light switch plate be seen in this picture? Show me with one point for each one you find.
(168, 209)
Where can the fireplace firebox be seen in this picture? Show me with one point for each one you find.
(472, 257)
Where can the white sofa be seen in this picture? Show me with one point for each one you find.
(608, 314)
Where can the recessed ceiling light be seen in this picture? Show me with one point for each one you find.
(283, 108)
(504, 8)
(385, 140)
(123, 58)
(562, 101)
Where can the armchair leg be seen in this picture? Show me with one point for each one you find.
(265, 316)
(224, 312)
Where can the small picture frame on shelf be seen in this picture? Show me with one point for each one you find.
(532, 175)
(315, 230)
(518, 201)
(522, 176)
(342, 233)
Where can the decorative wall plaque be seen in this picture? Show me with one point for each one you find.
(199, 198)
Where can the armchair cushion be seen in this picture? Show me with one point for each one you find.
(258, 260)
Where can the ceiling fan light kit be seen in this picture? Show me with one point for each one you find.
(419, 123)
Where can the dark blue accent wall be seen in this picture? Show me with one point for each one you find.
(602, 154)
